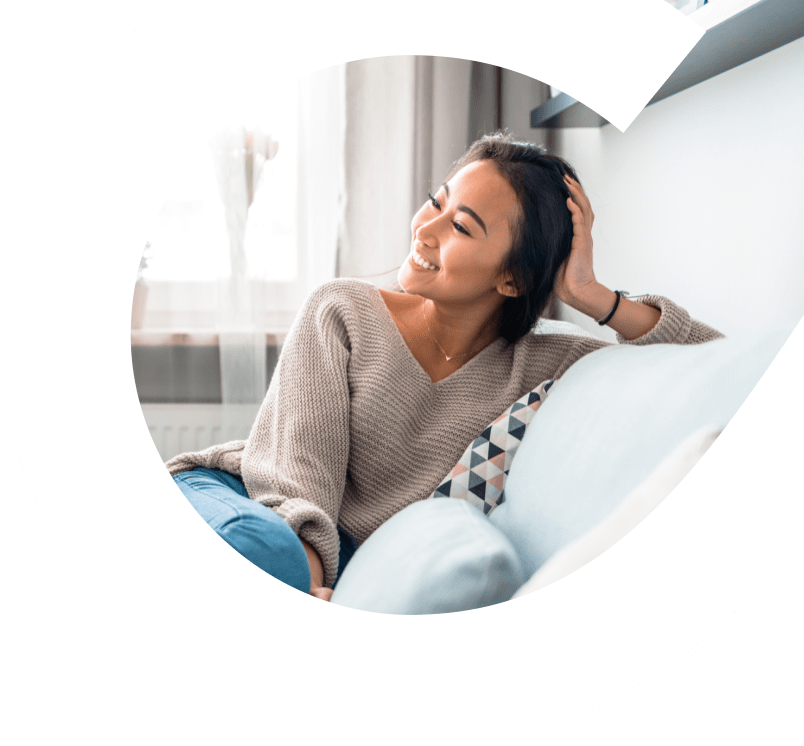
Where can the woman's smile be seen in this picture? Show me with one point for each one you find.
(417, 260)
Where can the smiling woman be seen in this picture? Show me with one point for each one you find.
(455, 262)
(377, 393)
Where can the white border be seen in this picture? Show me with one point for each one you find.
(168, 580)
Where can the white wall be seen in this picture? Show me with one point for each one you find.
(702, 199)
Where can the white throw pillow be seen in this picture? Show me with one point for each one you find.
(433, 557)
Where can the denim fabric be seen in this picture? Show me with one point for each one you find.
(253, 530)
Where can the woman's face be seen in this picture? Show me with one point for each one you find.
(463, 233)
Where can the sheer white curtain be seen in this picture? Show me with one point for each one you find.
(245, 239)
(239, 157)
(250, 293)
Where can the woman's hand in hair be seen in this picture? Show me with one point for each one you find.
(575, 281)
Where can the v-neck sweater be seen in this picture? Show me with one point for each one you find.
(352, 429)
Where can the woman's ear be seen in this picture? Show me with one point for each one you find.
(507, 287)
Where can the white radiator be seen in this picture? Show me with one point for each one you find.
(176, 428)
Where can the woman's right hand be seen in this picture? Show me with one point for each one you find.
(325, 594)
(317, 587)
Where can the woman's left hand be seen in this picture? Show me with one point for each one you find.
(576, 278)
(575, 282)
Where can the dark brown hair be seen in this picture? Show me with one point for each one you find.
(542, 236)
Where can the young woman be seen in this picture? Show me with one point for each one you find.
(377, 394)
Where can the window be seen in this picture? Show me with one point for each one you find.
(189, 243)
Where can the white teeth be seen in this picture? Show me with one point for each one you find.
(423, 262)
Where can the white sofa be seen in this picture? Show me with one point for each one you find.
(617, 433)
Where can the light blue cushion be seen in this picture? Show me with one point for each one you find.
(433, 557)
(608, 423)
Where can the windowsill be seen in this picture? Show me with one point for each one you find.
(163, 337)
(191, 310)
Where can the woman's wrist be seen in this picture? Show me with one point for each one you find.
(631, 320)
(594, 300)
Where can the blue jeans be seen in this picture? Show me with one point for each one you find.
(250, 528)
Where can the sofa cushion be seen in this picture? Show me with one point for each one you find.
(554, 326)
(608, 423)
(433, 557)
(634, 508)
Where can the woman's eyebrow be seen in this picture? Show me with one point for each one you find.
(468, 211)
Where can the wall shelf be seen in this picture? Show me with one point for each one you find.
(760, 28)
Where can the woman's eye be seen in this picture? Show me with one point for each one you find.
(458, 227)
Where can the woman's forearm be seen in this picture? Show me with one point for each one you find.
(631, 320)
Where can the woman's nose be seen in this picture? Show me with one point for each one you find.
(427, 232)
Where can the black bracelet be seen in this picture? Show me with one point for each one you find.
(607, 317)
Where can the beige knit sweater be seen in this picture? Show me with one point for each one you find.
(352, 429)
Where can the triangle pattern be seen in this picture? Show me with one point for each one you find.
(481, 450)
(499, 461)
(498, 481)
(475, 481)
(479, 477)
(494, 450)
(522, 415)
(519, 432)
(460, 482)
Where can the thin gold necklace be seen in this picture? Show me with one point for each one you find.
(432, 336)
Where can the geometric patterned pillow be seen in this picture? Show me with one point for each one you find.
(479, 477)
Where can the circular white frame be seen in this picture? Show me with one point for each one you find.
(317, 667)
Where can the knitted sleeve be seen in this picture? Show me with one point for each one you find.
(295, 458)
(674, 327)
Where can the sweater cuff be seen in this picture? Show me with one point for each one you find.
(226, 457)
(313, 525)
(673, 326)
